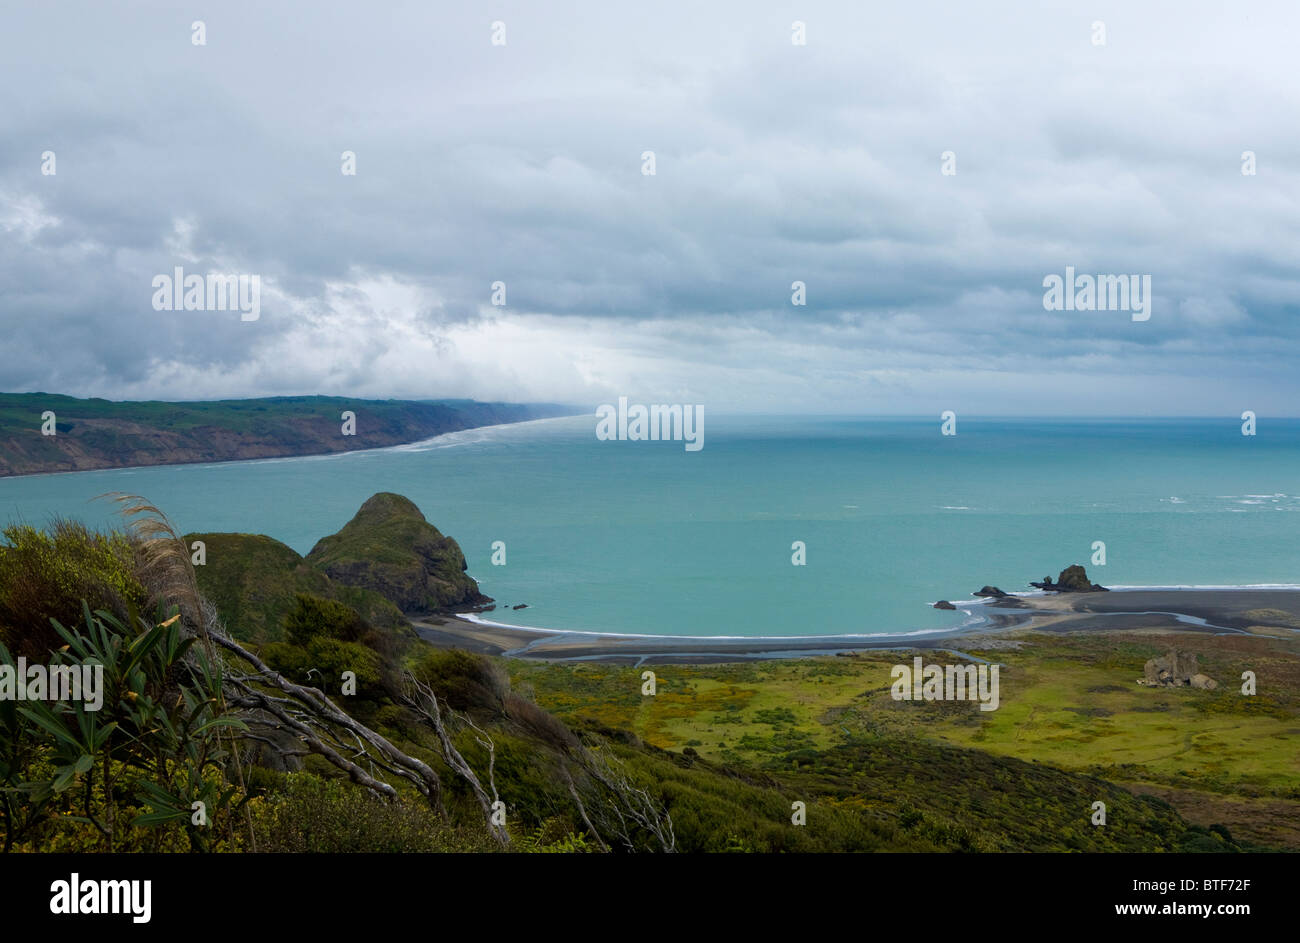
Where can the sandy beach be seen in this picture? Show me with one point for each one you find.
(1247, 611)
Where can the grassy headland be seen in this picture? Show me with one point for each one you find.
(99, 433)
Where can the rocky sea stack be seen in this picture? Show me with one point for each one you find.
(1073, 579)
(390, 548)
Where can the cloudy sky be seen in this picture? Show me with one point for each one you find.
(774, 162)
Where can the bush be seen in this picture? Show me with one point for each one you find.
(136, 761)
(539, 723)
(306, 813)
(314, 616)
(464, 680)
(322, 661)
(46, 576)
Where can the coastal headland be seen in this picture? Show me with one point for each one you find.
(44, 432)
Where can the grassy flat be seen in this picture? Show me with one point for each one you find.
(1069, 702)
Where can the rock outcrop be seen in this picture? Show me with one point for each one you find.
(390, 548)
(992, 591)
(1177, 669)
(944, 604)
(1073, 579)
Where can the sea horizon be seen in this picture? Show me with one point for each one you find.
(645, 538)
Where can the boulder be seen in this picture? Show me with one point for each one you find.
(1176, 669)
(944, 604)
(990, 591)
(1183, 664)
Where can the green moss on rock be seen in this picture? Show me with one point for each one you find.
(254, 581)
(390, 548)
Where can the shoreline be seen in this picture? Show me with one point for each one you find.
(1271, 612)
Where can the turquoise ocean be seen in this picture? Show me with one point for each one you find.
(646, 537)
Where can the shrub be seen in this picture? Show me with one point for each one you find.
(322, 661)
(314, 815)
(46, 576)
(314, 616)
(464, 680)
(540, 723)
(139, 759)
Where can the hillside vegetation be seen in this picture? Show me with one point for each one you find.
(386, 561)
(304, 721)
(99, 433)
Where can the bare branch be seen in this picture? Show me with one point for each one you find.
(420, 698)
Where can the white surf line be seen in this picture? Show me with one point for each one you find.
(972, 622)
(471, 436)
(555, 633)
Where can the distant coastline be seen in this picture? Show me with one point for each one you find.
(43, 433)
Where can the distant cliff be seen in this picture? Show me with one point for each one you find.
(98, 433)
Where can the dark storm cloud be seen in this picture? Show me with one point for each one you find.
(775, 163)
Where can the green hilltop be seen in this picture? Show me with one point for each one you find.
(254, 581)
(386, 561)
(389, 547)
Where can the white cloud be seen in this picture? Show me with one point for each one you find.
(775, 163)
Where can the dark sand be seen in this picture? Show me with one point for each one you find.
(1271, 612)
(1252, 611)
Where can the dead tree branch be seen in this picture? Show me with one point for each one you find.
(420, 698)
